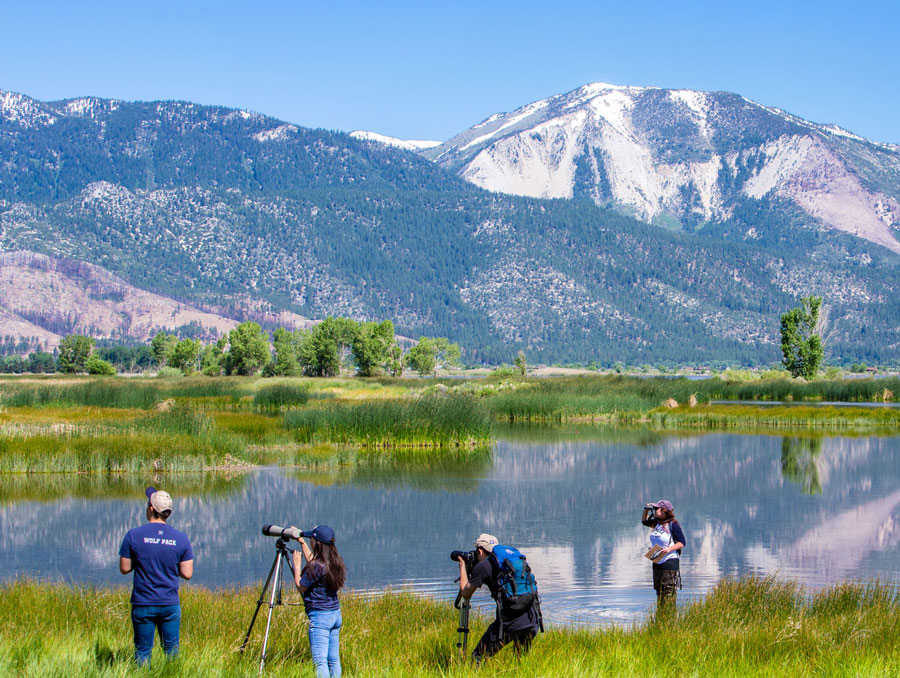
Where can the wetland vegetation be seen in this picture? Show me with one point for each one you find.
(114, 425)
(747, 627)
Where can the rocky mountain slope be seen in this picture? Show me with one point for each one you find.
(683, 156)
(44, 298)
(236, 214)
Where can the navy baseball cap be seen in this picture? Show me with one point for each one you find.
(321, 533)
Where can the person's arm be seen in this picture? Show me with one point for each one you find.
(298, 567)
(298, 563)
(125, 565)
(648, 518)
(466, 589)
(677, 538)
(186, 569)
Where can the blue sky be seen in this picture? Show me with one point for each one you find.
(428, 70)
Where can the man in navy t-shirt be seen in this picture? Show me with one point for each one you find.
(158, 555)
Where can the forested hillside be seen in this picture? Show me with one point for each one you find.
(229, 210)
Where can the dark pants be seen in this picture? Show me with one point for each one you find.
(494, 639)
(146, 620)
(665, 583)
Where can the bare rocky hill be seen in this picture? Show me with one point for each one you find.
(43, 298)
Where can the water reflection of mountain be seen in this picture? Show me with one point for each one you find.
(573, 507)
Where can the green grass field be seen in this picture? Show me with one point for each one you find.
(751, 627)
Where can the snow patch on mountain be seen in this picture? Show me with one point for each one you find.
(89, 106)
(23, 110)
(280, 133)
(405, 144)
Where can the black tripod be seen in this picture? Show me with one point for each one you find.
(281, 553)
(462, 604)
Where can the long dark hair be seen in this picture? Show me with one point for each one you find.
(335, 572)
(667, 516)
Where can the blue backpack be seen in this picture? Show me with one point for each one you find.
(517, 589)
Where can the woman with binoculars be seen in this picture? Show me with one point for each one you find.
(666, 542)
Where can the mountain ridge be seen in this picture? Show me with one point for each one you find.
(233, 212)
(683, 154)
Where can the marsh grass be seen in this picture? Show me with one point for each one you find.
(748, 627)
(252, 427)
(429, 421)
(604, 397)
(180, 439)
(115, 392)
(839, 390)
(748, 417)
(281, 395)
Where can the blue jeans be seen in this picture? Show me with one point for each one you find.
(146, 619)
(324, 633)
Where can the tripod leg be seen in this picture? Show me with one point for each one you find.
(275, 588)
(259, 603)
(463, 629)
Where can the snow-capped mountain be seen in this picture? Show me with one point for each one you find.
(405, 144)
(682, 154)
(118, 218)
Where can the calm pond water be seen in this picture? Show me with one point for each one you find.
(809, 509)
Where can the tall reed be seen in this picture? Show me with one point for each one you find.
(278, 395)
(439, 421)
(120, 393)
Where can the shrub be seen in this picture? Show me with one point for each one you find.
(99, 367)
(169, 373)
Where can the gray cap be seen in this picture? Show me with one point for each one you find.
(159, 500)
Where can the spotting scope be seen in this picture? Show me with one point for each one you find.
(283, 532)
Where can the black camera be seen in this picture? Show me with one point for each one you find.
(469, 558)
(282, 532)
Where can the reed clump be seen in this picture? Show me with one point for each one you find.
(281, 395)
(747, 627)
(429, 421)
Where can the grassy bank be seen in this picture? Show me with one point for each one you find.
(747, 418)
(747, 628)
(624, 399)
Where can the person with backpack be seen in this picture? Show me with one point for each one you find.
(512, 585)
(319, 583)
(666, 541)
